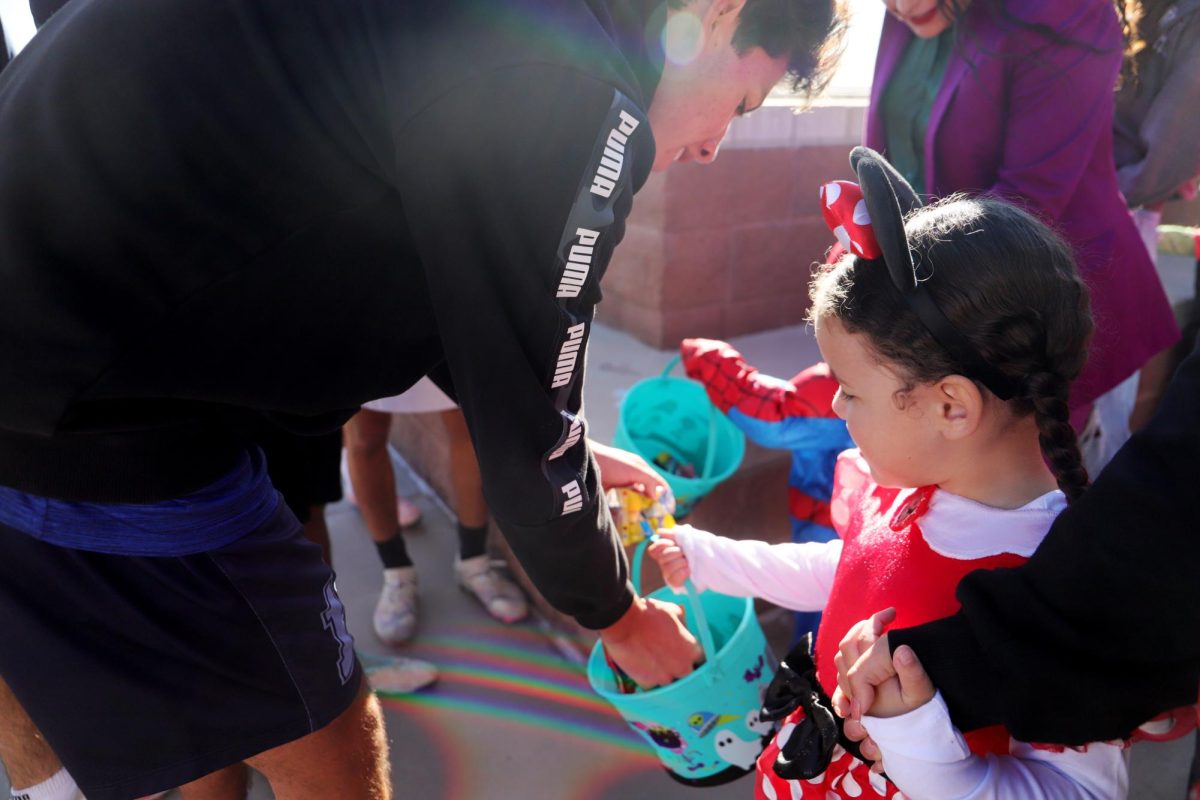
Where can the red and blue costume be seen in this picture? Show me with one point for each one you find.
(794, 414)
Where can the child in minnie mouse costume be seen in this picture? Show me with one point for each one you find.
(953, 332)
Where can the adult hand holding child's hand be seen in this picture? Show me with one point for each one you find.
(864, 661)
(874, 681)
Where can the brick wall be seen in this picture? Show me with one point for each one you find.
(726, 249)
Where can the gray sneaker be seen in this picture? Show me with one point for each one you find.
(502, 598)
(399, 675)
(395, 619)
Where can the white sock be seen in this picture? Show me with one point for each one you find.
(59, 786)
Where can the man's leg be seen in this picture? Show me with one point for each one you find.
(29, 760)
(230, 783)
(26, 756)
(347, 758)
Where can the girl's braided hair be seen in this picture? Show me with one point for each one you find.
(1008, 283)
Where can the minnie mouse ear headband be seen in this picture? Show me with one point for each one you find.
(868, 220)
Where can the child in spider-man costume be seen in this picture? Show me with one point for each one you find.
(794, 414)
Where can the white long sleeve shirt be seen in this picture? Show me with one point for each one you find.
(924, 755)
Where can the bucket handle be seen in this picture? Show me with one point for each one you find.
(710, 450)
(697, 608)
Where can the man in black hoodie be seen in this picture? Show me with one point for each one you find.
(186, 187)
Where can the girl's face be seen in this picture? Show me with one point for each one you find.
(924, 17)
(894, 429)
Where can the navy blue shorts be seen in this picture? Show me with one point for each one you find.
(147, 672)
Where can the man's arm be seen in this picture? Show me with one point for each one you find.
(1098, 632)
(516, 189)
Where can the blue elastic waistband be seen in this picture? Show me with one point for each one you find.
(219, 514)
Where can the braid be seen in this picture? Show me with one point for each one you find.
(1048, 393)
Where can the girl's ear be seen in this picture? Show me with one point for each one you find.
(959, 406)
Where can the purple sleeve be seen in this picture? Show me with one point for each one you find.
(1059, 102)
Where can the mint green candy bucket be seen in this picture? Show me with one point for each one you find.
(665, 414)
(704, 727)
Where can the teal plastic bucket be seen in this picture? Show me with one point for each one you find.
(704, 727)
(675, 416)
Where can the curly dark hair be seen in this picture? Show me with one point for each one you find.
(811, 33)
(1008, 283)
(1139, 22)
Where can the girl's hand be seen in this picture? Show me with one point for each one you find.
(908, 691)
(863, 661)
(670, 559)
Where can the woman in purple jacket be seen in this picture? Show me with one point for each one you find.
(1015, 98)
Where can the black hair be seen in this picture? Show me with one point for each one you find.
(1140, 23)
(811, 33)
(1007, 283)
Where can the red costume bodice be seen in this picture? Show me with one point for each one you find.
(885, 561)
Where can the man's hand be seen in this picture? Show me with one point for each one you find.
(622, 468)
(670, 558)
(863, 662)
(651, 643)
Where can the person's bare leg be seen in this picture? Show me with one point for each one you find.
(230, 783)
(464, 472)
(27, 758)
(370, 466)
(347, 758)
(317, 532)
(502, 598)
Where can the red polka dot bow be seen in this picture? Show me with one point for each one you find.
(846, 214)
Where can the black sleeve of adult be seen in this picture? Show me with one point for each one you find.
(516, 188)
(1099, 631)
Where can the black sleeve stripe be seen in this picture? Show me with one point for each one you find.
(607, 181)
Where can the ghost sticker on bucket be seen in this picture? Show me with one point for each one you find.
(735, 750)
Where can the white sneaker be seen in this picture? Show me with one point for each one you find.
(502, 598)
(395, 618)
(399, 675)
